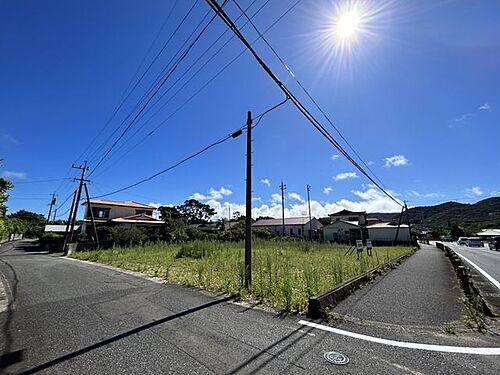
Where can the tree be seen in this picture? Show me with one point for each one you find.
(174, 228)
(34, 222)
(5, 186)
(457, 231)
(195, 212)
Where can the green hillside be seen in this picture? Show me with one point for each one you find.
(472, 217)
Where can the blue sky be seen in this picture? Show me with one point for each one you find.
(416, 93)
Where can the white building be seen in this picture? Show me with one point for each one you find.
(294, 226)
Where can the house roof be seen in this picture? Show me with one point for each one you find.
(489, 232)
(335, 223)
(385, 225)
(58, 228)
(119, 203)
(288, 221)
(347, 212)
(137, 219)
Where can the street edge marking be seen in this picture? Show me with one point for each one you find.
(483, 272)
(404, 344)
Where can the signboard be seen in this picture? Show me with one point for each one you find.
(369, 244)
(359, 245)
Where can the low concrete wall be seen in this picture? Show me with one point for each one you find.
(318, 304)
(473, 282)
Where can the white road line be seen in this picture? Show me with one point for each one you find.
(485, 274)
(404, 344)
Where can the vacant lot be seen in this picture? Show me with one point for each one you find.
(285, 274)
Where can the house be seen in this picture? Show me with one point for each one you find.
(346, 226)
(488, 233)
(294, 226)
(129, 214)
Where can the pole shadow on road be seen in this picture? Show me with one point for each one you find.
(125, 334)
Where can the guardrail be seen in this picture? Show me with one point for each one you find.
(473, 282)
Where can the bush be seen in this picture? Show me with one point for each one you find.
(52, 242)
(121, 236)
(198, 249)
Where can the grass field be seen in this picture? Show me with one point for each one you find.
(285, 274)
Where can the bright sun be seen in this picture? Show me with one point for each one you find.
(347, 24)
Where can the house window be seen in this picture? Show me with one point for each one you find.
(299, 231)
(100, 213)
(353, 218)
(145, 212)
(291, 231)
(346, 232)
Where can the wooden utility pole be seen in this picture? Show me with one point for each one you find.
(78, 197)
(68, 224)
(310, 218)
(96, 238)
(282, 188)
(248, 217)
(52, 204)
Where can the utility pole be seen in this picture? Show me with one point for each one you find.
(408, 222)
(96, 238)
(283, 188)
(309, 205)
(66, 234)
(248, 217)
(78, 196)
(55, 214)
(399, 225)
(52, 204)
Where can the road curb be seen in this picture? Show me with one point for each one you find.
(318, 305)
(473, 282)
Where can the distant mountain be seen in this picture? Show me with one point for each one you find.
(472, 217)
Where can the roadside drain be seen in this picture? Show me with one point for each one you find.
(336, 358)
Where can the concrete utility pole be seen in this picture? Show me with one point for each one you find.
(408, 222)
(283, 188)
(96, 238)
(399, 225)
(248, 217)
(52, 204)
(68, 224)
(83, 168)
(309, 205)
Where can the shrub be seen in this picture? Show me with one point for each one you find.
(198, 249)
(52, 242)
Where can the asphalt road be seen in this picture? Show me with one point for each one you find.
(485, 258)
(70, 317)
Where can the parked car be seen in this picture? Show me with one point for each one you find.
(462, 241)
(474, 242)
(446, 239)
(494, 243)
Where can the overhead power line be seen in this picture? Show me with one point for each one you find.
(234, 134)
(294, 76)
(43, 181)
(126, 93)
(167, 76)
(205, 85)
(305, 112)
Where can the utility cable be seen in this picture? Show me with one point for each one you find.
(309, 116)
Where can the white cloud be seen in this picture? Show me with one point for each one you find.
(12, 174)
(370, 162)
(485, 107)
(345, 176)
(335, 157)
(213, 194)
(266, 182)
(9, 139)
(256, 198)
(370, 200)
(416, 194)
(296, 197)
(396, 161)
(327, 190)
(475, 190)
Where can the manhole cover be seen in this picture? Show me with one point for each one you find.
(336, 358)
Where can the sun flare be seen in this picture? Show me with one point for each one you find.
(348, 24)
